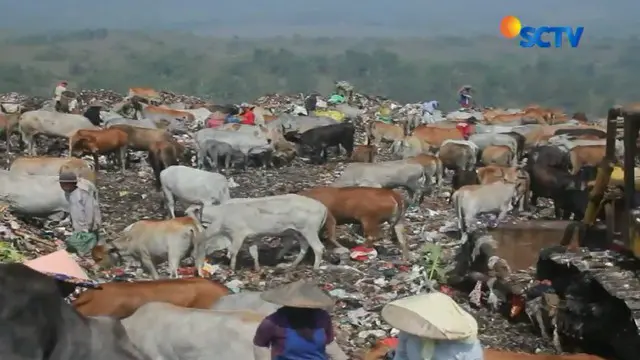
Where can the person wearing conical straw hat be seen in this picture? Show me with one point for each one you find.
(301, 329)
(433, 327)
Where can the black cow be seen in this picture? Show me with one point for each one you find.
(548, 155)
(37, 324)
(462, 178)
(93, 114)
(577, 132)
(316, 141)
(567, 191)
(520, 142)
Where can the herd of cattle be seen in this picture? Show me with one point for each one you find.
(499, 162)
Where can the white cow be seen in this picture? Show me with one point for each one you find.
(192, 186)
(237, 219)
(50, 123)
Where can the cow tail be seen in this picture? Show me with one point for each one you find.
(399, 210)
(438, 172)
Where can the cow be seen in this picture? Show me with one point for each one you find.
(235, 220)
(387, 174)
(458, 155)
(121, 299)
(192, 186)
(50, 123)
(548, 155)
(316, 141)
(140, 139)
(484, 140)
(472, 200)
(165, 331)
(110, 141)
(33, 195)
(162, 154)
(378, 132)
(500, 155)
(38, 324)
(52, 166)
(364, 153)
(586, 156)
(147, 93)
(596, 133)
(433, 171)
(556, 184)
(244, 142)
(152, 241)
(492, 354)
(9, 125)
(435, 136)
(521, 142)
(245, 300)
(366, 206)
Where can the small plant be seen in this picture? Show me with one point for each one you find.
(8, 254)
(431, 255)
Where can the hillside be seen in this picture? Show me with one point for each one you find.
(598, 74)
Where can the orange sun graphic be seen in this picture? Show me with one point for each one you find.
(510, 26)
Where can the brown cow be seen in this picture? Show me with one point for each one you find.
(9, 125)
(501, 155)
(364, 153)
(99, 142)
(169, 112)
(163, 154)
(458, 156)
(583, 155)
(121, 299)
(435, 136)
(52, 166)
(378, 132)
(140, 139)
(492, 173)
(145, 93)
(367, 206)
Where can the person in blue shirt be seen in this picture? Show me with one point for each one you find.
(433, 327)
(465, 96)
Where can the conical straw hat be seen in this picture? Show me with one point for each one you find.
(301, 294)
(433, 316)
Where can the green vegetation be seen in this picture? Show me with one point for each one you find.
(598, 74)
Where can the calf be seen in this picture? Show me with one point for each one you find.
(213, 151)
(38, 324)
(237, 219)
(364, 153)
(472, 200)
(586, 156)
(99, 142)
(500, 155)
(557, 185)
(152, 241)
(387, 174)
(458, 155)
(378, 132)
(121, 299)
(192, 186)
(163, 154)
(364, 205)
(317, 140)
(52, 166)
(432, 168)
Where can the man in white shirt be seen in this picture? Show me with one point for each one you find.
(57, 94)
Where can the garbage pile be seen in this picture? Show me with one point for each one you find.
(362, 282)
(106, 97)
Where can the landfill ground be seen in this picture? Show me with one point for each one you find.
(361, 287)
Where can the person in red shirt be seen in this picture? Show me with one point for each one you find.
(248, 117)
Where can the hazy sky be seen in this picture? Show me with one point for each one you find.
(322, 17)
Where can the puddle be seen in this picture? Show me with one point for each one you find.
(520, 243)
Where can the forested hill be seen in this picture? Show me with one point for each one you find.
(599, 73)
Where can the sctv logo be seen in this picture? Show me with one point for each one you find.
(510, 27)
